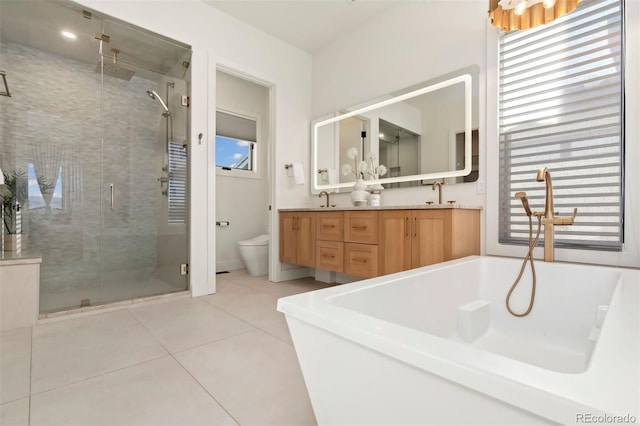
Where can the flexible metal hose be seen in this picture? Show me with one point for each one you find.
(529, 257)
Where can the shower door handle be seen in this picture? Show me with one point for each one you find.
(112, 196)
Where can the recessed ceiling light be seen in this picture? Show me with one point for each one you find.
(69, 35)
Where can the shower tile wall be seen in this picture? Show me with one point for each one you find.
(57, 101)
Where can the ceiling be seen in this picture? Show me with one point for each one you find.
(38, 24)
(306, 24)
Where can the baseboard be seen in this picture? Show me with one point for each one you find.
(229, 265)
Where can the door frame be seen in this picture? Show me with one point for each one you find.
(228, 67)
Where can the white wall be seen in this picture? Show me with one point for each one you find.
(219, 40)
(242, 201)
(421, 45)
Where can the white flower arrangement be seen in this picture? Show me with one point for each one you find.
(360, 167)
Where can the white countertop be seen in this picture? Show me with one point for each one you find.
(363, 208)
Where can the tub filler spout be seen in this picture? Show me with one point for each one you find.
(549, 218)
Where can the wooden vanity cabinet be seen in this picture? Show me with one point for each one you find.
(370, 243)
(298, 238)
(412, 238)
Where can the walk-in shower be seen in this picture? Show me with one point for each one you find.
(92, 146)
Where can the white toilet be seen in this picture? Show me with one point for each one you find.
(255, 254)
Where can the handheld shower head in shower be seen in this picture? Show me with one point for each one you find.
(154, 95)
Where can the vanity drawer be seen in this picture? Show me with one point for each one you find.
(361, 227)
(361, 260)
(330, 255)
(329, 226)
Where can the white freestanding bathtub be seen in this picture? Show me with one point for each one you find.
(436, 345)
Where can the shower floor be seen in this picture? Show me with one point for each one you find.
(107, 293)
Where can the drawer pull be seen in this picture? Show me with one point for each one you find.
(359, 226)
(328, 256)
(328, 226)
(360, 259)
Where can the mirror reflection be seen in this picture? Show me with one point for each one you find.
(399, 150)
(422, 133)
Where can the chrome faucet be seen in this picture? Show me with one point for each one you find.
(439, 185)
(549, 218)
(324, 193)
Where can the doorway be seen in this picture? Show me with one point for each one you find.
(243, 141)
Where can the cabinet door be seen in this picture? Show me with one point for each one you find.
(430, 242)
(306, 239)
(394, 241)
(288, 238)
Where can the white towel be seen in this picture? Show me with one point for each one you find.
(333, 176)
(298, 173)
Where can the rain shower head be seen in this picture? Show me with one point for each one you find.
(154, 95)
(114, 70)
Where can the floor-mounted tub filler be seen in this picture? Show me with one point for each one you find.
(436, 345)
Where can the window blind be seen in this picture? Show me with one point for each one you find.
(177, 192)
(236, 127)
(561, 107)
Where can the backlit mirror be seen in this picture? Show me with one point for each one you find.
(423, 133)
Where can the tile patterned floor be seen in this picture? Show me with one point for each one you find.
(223, 359)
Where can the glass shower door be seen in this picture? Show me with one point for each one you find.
(143, 246)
